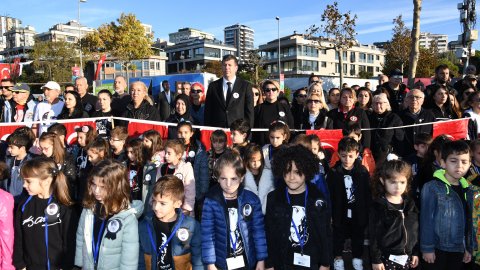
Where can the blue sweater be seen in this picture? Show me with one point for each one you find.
(215, 229)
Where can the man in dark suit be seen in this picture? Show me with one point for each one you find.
(229, 98)
(165, 101)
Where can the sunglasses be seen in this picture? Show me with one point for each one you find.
(6, 87)
(256, 94)
(267, 90)
(196, 91)
(316, 101)
(302, 96)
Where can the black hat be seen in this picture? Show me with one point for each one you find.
(396, 72)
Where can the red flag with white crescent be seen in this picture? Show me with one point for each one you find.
(99, 66)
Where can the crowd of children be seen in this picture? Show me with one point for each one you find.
(143, 203)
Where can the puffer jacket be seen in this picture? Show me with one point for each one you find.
(393, 232)
(183, 253)
(265, 185)
(144, 112)
(119, 253)
(6, 230)
(215, 229)
(443, 224)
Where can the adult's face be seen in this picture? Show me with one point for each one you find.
(256, 95)
(383, 79)
(229, 69)
(415, 101)
(443, 75)
(271, 93)
(314, 79)
(395, 80)
(50, 94)
(20, 97)
(7, 90)
(334, 97)
(380, 106)
(363, 98)
(313, 104)
(186, 89)
(138, 93)
(105, 101)
(119, 84)
(180, 107)
(166, 86)
(196, 93)
(301, 97)
(70, 101)
(441, 96)
(347, 99)
(81, 86)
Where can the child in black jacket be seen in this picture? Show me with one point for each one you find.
(348, 183)
(393, 219)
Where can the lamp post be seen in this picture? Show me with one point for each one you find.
(278, 31)
(79, 36)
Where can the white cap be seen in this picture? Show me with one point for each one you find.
(52, 85)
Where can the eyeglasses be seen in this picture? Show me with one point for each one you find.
(316, 101)
(267, 90)
(6, 87)
(302, 96)
(315, 82)
(256, 94)
(196, 91)
(415, 97)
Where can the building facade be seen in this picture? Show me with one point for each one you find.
(242, 38)
(194, 54)
(19, 41)
(70, 32)
(7, 24)
(187, 34)
(154, 65)
(426, 40)
(300, 56)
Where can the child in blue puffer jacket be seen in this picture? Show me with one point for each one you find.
(233, 233)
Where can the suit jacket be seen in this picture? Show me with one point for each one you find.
(220, 114)
(164, 107)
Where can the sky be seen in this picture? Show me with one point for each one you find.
(374, 21)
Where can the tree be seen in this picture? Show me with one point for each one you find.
(415, 47)
(339, 29)
(362, 74)
(56, 59)
(252, 70)
(214, 67)
(124, 40)
(397, 51)
(427, 62)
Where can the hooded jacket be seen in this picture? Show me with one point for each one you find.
(444, 224)
(392, 231)
(215, 228)
(118, 251)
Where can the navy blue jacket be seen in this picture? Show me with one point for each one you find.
(215, 228)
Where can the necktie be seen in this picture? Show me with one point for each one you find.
(229, 91)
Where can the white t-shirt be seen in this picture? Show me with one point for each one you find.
(47, 112)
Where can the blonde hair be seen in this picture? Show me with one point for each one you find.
(322, 100)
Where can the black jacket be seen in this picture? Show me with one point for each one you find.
(338, 195)
(384, 140)
(322, 121)
(278, 221)
(424, 116)
(297, 113)
(355, 115)
(267, 113)
(391, 231)
(396, 97)
(144, 112)
(240, 106)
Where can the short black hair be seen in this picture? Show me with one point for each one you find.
(184, 123)
(313, 75)
(8, 80)
(218, 135)
(19, 140)
(423, 138)
(347, 144)
(440, 67)
(353, 127)
(105, 91)
(241, 125)
(306, 162)
(459, 147)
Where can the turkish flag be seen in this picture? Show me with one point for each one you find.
(205, 138)
(328, 137)
(72, 134)
(5, 131)
(457, 129)
(99, 66)
(137, 129)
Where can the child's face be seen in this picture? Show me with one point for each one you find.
(315, 147)
(130, 154)
(47, 148)
(277, 138)
(295, 180)
(93, 156)
(355, 136)
(147, 143)
(185, 133)
(82, 139)
(164, 206)
(476, 155)
(229, 181)
(238, 138)
(255, 161)
(421, 149)
(35, 185)
(456, 166)
(117, 143)
(13, 150)
(171, 156)
(98, 189)
(396, 185)
(218, 146)
(348, 158)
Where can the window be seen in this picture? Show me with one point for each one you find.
(363, 58)
(152, 65)
(370, 58)
(378, 57)
(323, 51)
(145, 65)
(198, 52)
(323, 64)
(377, 69)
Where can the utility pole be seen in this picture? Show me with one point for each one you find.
(468, 19)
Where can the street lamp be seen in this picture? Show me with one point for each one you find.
(79, 36)
(278, 29)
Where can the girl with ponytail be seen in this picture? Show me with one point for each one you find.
(45, 223)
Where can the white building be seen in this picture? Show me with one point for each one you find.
(7, 24)
(19, 42)
(242, 38)
(441, 40)
(300, 56)
(187, 34)
(69, 32)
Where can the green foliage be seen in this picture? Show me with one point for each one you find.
(214, 67)
(397, 51)
(363, 74)
(252, 70)
(56, 59)
(427, 62)
(451, 66)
